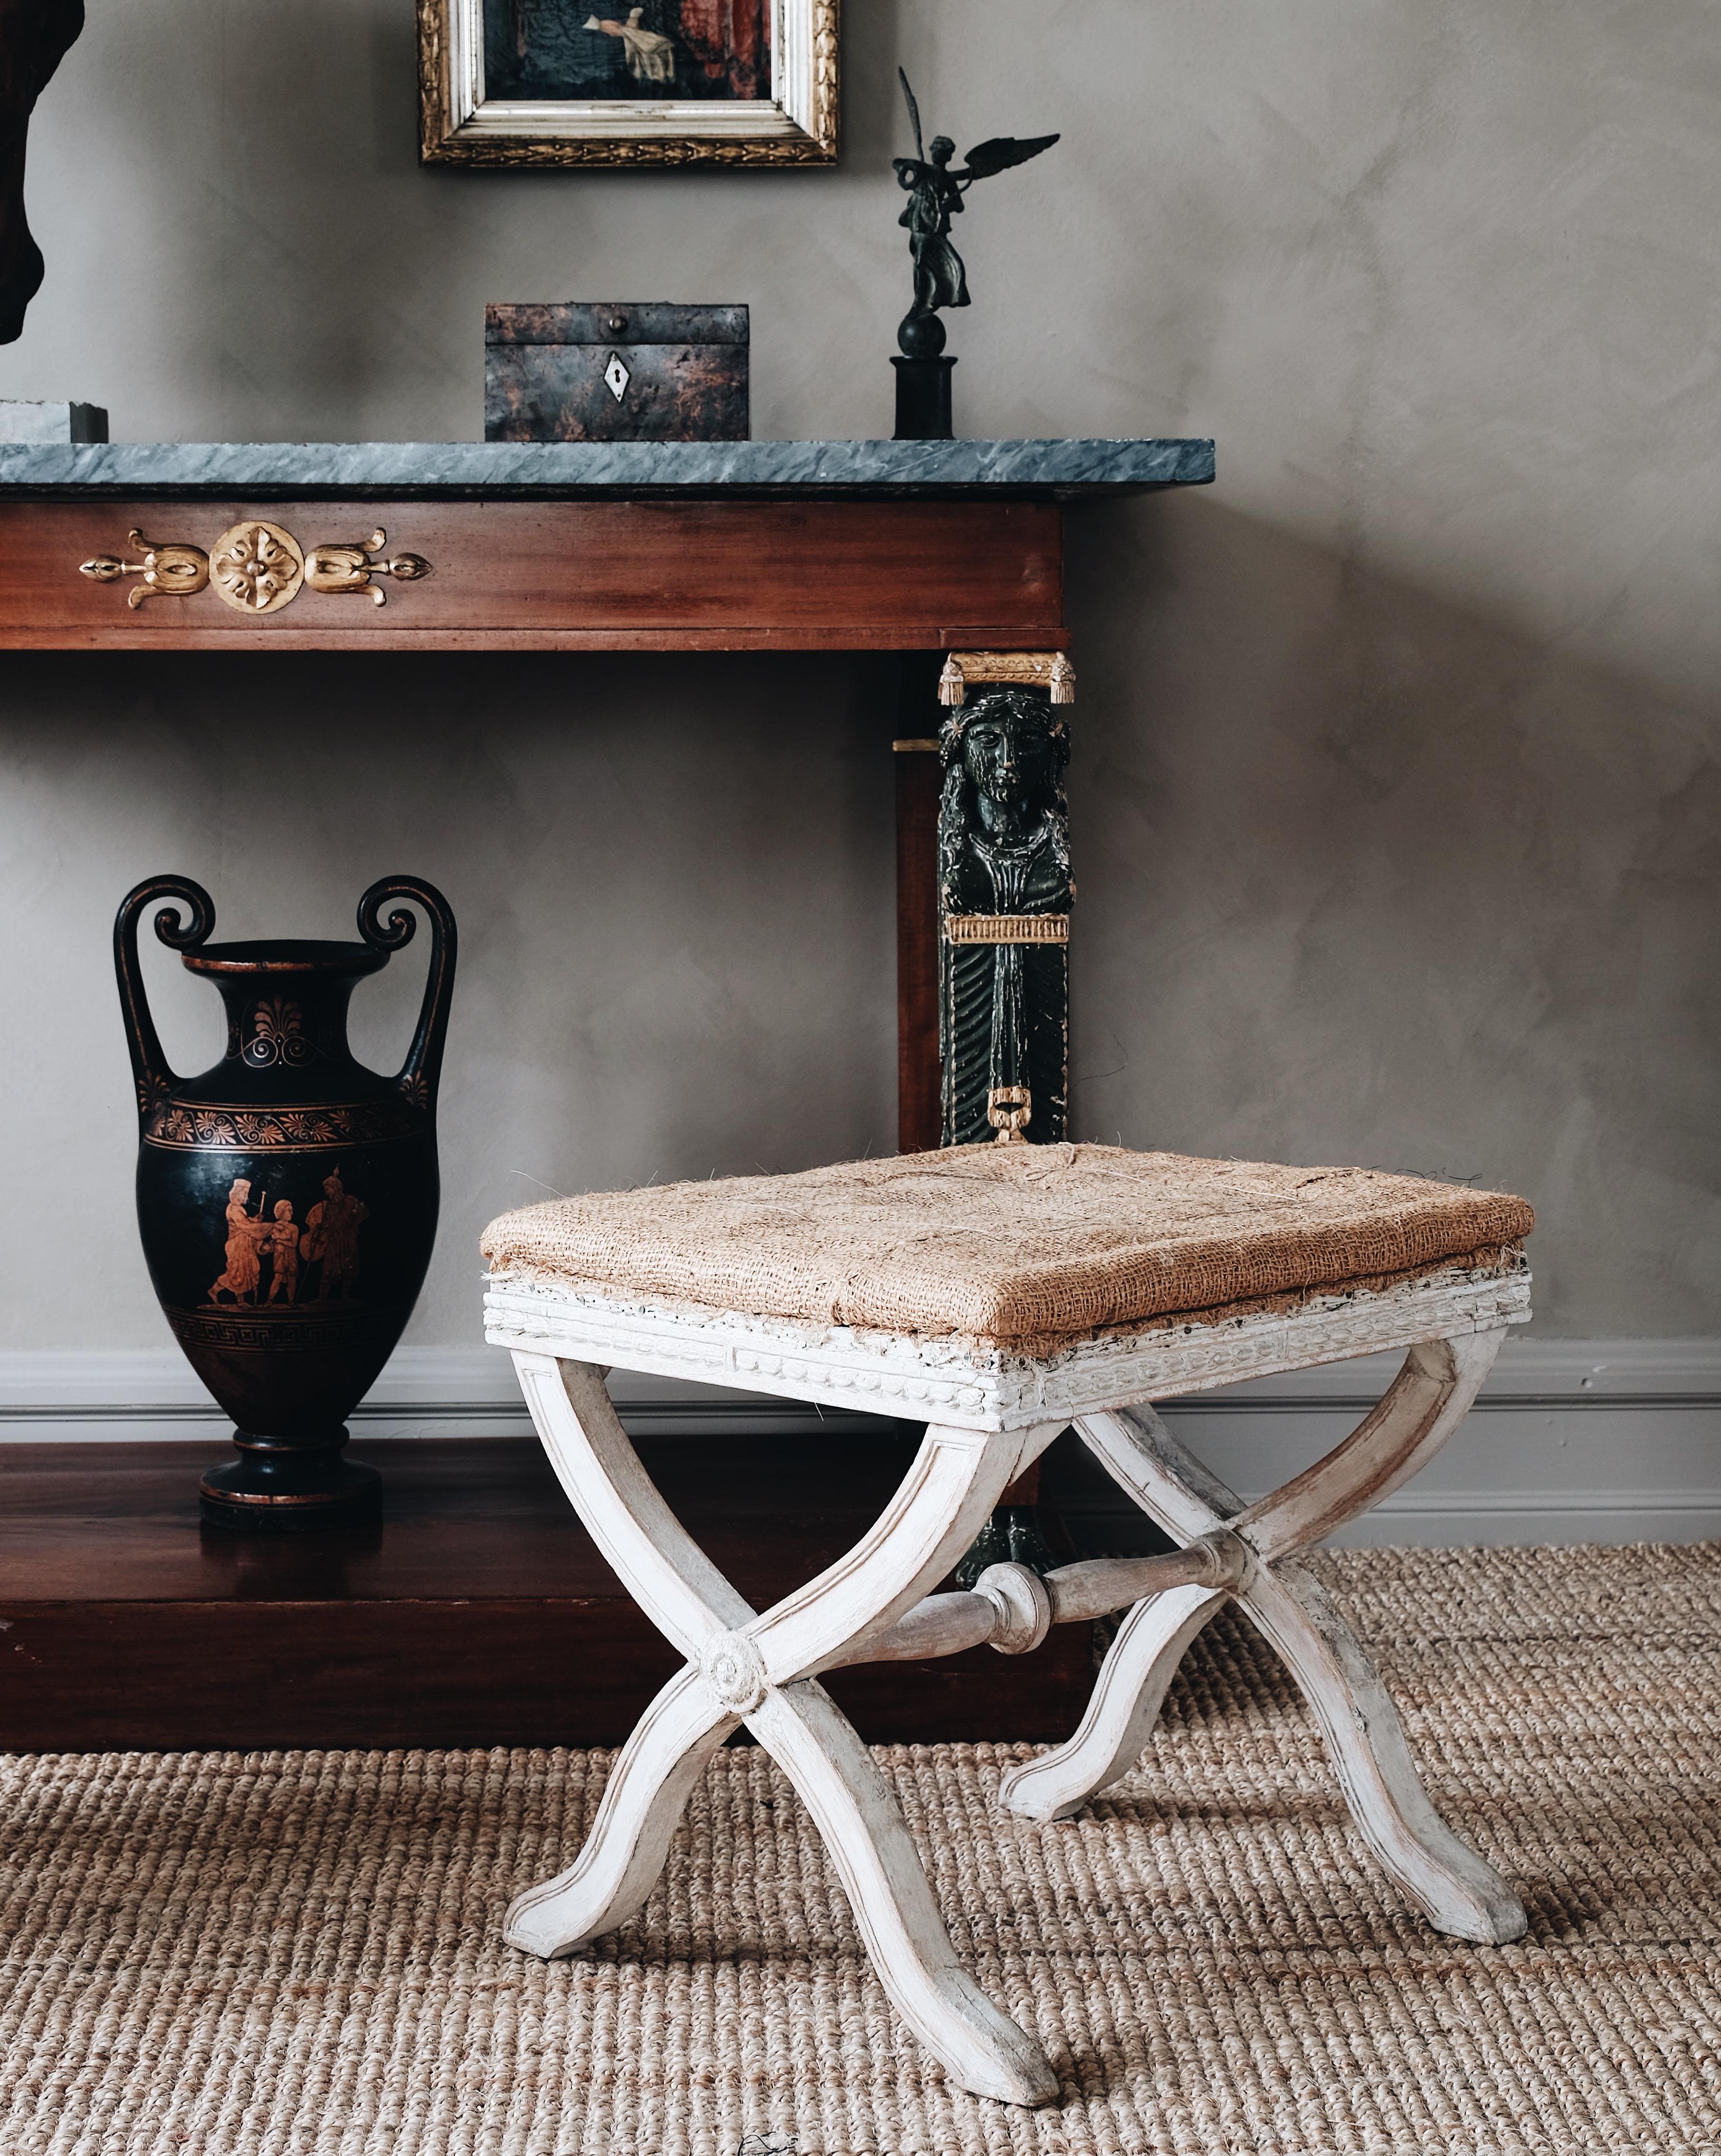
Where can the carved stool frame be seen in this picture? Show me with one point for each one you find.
(989, 1415)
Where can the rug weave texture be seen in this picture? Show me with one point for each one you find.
(1022, 1246)
(298, 1954)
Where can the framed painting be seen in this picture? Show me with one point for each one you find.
(662, 82)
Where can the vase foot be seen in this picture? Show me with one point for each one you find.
(278, 1488)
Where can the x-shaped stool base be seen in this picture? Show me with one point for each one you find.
(1459, 1893)
(742, 1666)
(874, 1604)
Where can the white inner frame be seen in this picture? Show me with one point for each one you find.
(790, 111)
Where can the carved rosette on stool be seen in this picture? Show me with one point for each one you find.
(287, 1199)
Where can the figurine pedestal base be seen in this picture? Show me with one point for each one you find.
(922, 398)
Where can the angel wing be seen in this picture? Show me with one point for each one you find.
(1001, 151)
(914, 114)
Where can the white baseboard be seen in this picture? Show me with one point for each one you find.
(1572, 1440)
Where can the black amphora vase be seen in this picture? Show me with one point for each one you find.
(287, 1197)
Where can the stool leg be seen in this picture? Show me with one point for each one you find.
(760, 1668)
(657, 1771)
(869, 1844)
(1113, 1733)
(1460, 1894)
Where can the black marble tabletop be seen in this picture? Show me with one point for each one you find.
(1055, 469)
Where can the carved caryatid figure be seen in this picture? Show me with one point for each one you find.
(1004, 900)
(35, 35)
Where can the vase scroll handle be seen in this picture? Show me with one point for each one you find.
(419, 1075)
(150, 1069)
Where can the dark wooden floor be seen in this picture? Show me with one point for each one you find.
(479, 1613)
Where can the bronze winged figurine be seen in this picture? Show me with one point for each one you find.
(935, 194)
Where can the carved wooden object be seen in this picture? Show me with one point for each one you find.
(1004, 900)
(35, 36)
(990, 1414)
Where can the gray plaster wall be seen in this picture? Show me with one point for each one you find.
(1396, 801)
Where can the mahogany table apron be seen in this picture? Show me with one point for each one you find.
(601, 575)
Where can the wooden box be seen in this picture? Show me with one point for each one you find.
(618, 373)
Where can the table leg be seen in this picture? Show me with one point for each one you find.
(919, 1115)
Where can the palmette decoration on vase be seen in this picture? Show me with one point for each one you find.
(287, 1199)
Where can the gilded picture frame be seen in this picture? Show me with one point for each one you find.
(533, 83)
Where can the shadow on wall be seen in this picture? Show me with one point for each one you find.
(1364, 876)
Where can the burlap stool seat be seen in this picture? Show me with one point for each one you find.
(1000, 1293)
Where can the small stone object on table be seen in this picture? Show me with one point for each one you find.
(1000, 1293)
(21, 422)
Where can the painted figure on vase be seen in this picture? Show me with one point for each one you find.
(283, 1247)
(244, 1245)
(331, 1235)
(936, 194)
(1004, 899)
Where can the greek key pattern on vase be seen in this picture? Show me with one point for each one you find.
(268, 1329)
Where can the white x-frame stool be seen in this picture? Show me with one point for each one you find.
(990, 1414)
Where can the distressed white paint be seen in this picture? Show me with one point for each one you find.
(1459, 1893)
(872, 1605)
(928, 1376)
(765, 1666)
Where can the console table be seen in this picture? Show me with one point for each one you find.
(921, 548)
(910, 546)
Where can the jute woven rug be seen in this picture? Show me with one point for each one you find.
(276, 1954)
